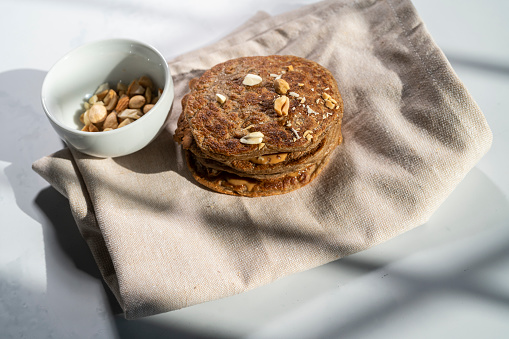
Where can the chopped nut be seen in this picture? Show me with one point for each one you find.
(148, 94)
(252, 138)
(121, 87)
(110, 100)
(97, 113)
(111, 121)
(147, 108)
(102, 87)
(122, 103)
(251, 80)
(93, 99)
(135, 88)
(281, 86)
(131, 113)
(101, 95)
(308, 135)
(107, 107)
(125, 122)
(155, 99)
(293, 94)
(220, 98)
(300, 84)
(261, 145)
(146, 82)
(93, 128)
(137, 101)
(281, 105)
(290, 68)
(303, 100)
(329, 104)
(325, 96)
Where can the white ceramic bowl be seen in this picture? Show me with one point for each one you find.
(77, 76)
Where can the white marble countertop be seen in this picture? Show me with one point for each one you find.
(445, 279)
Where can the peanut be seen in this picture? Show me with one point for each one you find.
(147, 108)
(125, 122)
(137, 101)
(111, 121)
(110, 100)
(97, 113)
(281, 105)
(281, 86)
(109, 109)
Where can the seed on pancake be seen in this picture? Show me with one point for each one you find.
(220, 98)
(281, 86)
(310, 111)
(308, 135)
(303, 100)
(281, 105)
(300, 84)
(296, 133)
(251, 80)
(252, 138)
(329, 104)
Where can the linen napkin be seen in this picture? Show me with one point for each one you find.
(411, 133)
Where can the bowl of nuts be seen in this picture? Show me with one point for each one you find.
(108, 98)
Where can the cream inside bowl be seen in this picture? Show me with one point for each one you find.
(77, 76)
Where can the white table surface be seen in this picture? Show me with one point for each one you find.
(448, 278)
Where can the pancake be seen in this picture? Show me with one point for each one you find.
(217, 128)
(274, 164)
(228, 183)
(258, 126)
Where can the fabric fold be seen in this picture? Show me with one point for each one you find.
(411, 133)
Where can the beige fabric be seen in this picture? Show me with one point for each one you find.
(411, 133)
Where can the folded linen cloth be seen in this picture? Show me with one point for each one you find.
(411, 133)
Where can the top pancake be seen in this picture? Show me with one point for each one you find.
(216, 129)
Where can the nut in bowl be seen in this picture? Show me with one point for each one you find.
(76, 83)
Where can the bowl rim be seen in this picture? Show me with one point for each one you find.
(168, 84)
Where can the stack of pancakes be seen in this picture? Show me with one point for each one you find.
(259, 126)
